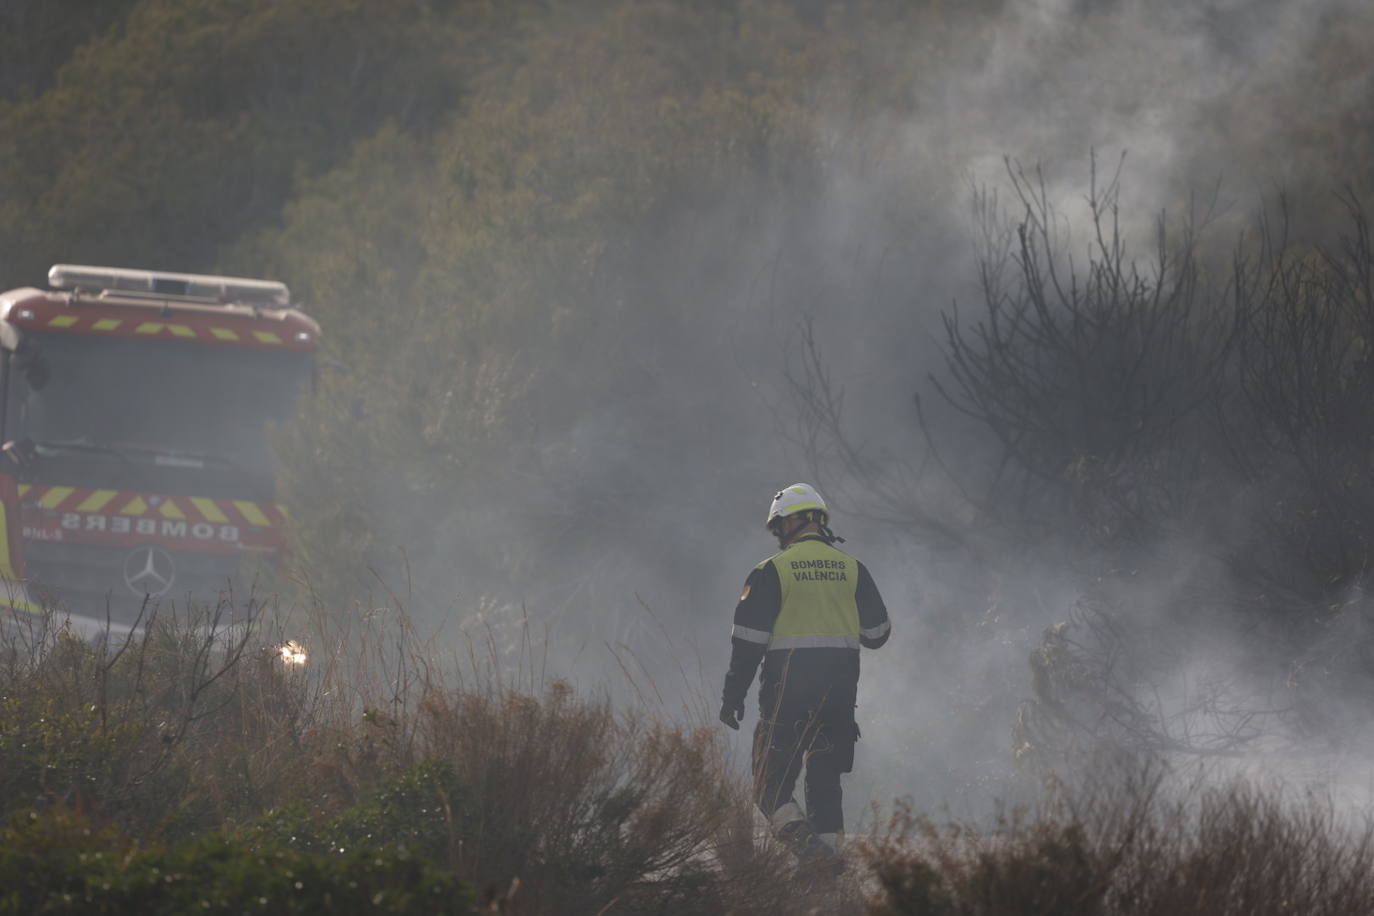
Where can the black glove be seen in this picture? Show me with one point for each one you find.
(731, 711)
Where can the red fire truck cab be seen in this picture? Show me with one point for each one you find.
(134, 415)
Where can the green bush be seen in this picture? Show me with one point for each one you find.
(420, 811)
(60, 863)
(166, 736)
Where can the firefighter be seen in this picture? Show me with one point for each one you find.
(803, 613)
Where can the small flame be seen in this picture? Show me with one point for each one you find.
(293, 653)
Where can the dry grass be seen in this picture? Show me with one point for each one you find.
(1125, 846)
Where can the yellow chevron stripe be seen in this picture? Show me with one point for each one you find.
(252, 513)
(62, 321)
(54, 496)
(207, 508)
(149, 327)
(224, 334)
(96, 501)
(267, 337)
(19, 604)
(24, 489)
(135, 506)
(107, 324)
(6, 564)
(169, 509)
(181, 330)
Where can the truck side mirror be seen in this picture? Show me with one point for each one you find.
(32, 362)
(19, 452)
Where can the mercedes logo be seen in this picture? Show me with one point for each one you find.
(149, 572)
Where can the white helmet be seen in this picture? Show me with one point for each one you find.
(799, 497)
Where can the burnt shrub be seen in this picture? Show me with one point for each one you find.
(1129, 848)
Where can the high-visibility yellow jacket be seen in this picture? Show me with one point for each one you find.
(804, 613)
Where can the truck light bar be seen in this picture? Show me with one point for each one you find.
(262, 293)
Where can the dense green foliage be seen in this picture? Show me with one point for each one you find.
(37, 37)
(182, 126)
(57, 863)
(423, 810)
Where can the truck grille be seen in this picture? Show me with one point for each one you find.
(89, 580)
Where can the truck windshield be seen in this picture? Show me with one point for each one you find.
(209, 402)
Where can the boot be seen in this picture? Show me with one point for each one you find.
(814, 856)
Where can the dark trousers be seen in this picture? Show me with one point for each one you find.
(819, 736)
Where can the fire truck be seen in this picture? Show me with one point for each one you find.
(135, 415)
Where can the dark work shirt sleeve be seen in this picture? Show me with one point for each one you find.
(754, 618)
(874, 627)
